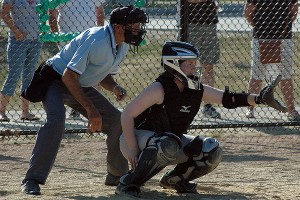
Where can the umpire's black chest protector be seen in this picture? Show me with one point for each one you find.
(176, 112)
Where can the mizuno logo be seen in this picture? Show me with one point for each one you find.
(185, 109)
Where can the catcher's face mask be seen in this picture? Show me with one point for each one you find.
(180, 58)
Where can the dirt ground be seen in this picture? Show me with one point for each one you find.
(255, 165)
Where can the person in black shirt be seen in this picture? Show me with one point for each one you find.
(156, 122)
(272, 47)
(202, 32)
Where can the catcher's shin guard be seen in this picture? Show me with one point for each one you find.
(152, 160)
(204, 156)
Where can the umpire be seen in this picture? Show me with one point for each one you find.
(92, 57)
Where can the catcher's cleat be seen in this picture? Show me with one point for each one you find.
(182, 186)
(250, 114)
(30, 187)
(74, 115)
(130, 190)
(111, 180)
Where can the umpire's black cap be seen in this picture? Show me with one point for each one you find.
(127, 15)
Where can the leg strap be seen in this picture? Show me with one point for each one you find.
(204, 156)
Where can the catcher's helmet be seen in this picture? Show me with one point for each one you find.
(125, 15)
(175, 52)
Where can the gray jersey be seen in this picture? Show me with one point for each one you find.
(25, 17)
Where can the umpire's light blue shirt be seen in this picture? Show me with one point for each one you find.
(92, 54)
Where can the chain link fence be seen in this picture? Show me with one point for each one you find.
(168, 21)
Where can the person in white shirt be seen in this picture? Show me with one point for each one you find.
(77, 16)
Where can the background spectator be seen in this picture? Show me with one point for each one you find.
(272, 47)
(23, 51)
(202, 32)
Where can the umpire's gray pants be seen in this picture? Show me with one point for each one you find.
(50, 135)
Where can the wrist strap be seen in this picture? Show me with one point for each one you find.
(257, 99)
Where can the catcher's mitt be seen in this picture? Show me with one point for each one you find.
(266, 96)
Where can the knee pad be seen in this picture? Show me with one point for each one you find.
(160, 151)
(208, 161)
(204, 156)
(204, 151)
(168, 147)
(211, 153)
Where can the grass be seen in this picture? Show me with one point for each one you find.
(140, 69)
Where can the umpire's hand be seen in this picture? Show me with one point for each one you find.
(95, 120)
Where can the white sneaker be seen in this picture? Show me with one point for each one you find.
(293, 116)
(250, 114)
(210, 112)
(74, 115)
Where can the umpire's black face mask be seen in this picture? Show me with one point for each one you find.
(134, 20)
(135, 26)
(134, 33)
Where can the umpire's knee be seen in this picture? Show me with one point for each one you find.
(58, 116)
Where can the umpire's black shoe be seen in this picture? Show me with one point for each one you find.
(30, 187)
(111, 180)
(182, 186)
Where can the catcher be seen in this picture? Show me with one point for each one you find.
(155, 124)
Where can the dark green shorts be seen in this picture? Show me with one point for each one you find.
(204, 37)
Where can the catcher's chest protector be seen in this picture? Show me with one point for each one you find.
(178, 110)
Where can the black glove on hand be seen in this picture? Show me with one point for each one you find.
(266, 96)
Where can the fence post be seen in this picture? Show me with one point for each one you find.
(184, 16)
